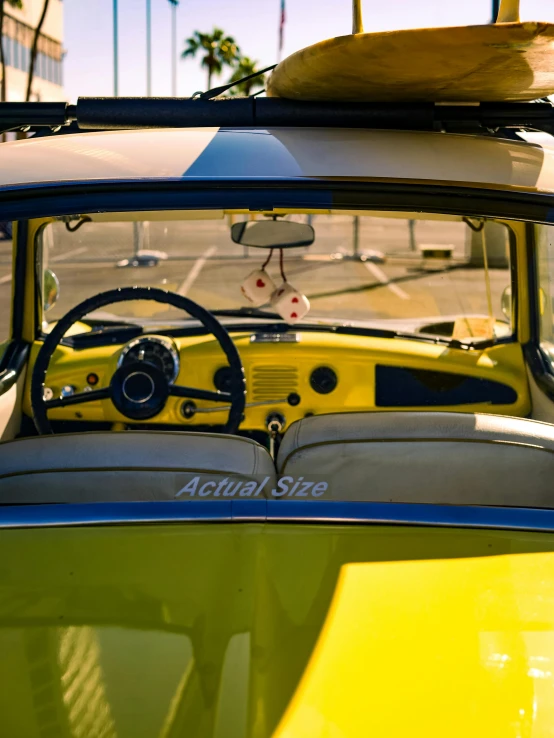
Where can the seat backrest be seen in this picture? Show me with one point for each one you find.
(129, 466)
(424, 457)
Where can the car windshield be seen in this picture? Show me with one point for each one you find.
(405, 272)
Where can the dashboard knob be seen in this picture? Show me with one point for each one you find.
(323, 380)
(275, 422)
(223, 379)
(188, 409)
(67, 390)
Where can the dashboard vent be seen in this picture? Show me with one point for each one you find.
(273, 382)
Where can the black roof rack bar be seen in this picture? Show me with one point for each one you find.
(126, 113)
(18, 116)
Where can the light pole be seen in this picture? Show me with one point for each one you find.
(174, 4)
(115, 51)
(148, 49)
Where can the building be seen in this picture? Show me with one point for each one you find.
(17, 39)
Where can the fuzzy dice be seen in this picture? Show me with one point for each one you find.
(291, 304)
(258, 287)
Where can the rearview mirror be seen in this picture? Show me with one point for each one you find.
(272, 234)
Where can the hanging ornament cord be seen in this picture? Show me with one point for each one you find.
(481, 228)
(487, 280)
(266, 262)
(282, 265)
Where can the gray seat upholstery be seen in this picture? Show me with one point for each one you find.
(428, 457)
(129, 465)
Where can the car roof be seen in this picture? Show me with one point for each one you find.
(280, 153)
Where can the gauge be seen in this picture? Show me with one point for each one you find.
(223, 379)
(161, 352)
(323, 380)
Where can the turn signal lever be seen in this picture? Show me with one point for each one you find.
(275, 422)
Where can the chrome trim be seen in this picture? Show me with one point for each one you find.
(118, 513)
(163, 341)
(226, 408)
(276, 511)
(144, 399)
(275, 338)
(12, 364)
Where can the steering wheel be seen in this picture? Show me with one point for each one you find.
(138, 390)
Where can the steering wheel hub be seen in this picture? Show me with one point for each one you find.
(138, 387)
(139, 391)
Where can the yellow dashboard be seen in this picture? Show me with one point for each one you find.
(326, 372)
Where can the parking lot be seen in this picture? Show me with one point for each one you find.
(203, 264)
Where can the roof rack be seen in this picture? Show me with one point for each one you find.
(96, 113)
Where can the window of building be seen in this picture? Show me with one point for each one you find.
(18, 40)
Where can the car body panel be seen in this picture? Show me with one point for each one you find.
(210, 629)
(467, 160)
(430, 648)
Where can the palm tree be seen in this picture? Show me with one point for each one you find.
(245, 67)
(34, 49)
(218, 49)
(13, 4)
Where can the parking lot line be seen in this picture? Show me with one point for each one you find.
(380, 275)
(69, 254)
(62, 257)
(195, 271)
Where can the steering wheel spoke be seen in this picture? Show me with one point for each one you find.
(199, 394)
(100, 394)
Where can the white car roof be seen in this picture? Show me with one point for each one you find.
(443, 158)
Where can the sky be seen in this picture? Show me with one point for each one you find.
(88, 65)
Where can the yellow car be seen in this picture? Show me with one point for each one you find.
(276, 423)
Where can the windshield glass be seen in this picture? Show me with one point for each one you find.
(398, 271)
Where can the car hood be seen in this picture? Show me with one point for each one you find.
(253, 630)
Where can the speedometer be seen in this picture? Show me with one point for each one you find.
(160, 352)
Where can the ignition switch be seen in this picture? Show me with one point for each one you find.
(275, 422)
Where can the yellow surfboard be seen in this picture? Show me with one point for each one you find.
(505, 61)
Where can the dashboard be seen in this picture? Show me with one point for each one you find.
(296, 374)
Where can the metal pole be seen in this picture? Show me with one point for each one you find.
(148, 49)
(138, 237)
(356, 239)
(115, 51)
(174, 47)
(411, 228)
(495, 8)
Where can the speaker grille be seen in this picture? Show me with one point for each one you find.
(273, 382)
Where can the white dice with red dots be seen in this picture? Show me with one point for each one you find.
(291, 304)
(258, 287)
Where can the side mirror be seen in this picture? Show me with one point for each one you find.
(272, 234)
(506, 302)
(51, 289)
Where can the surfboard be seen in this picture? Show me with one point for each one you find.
(487, 63)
